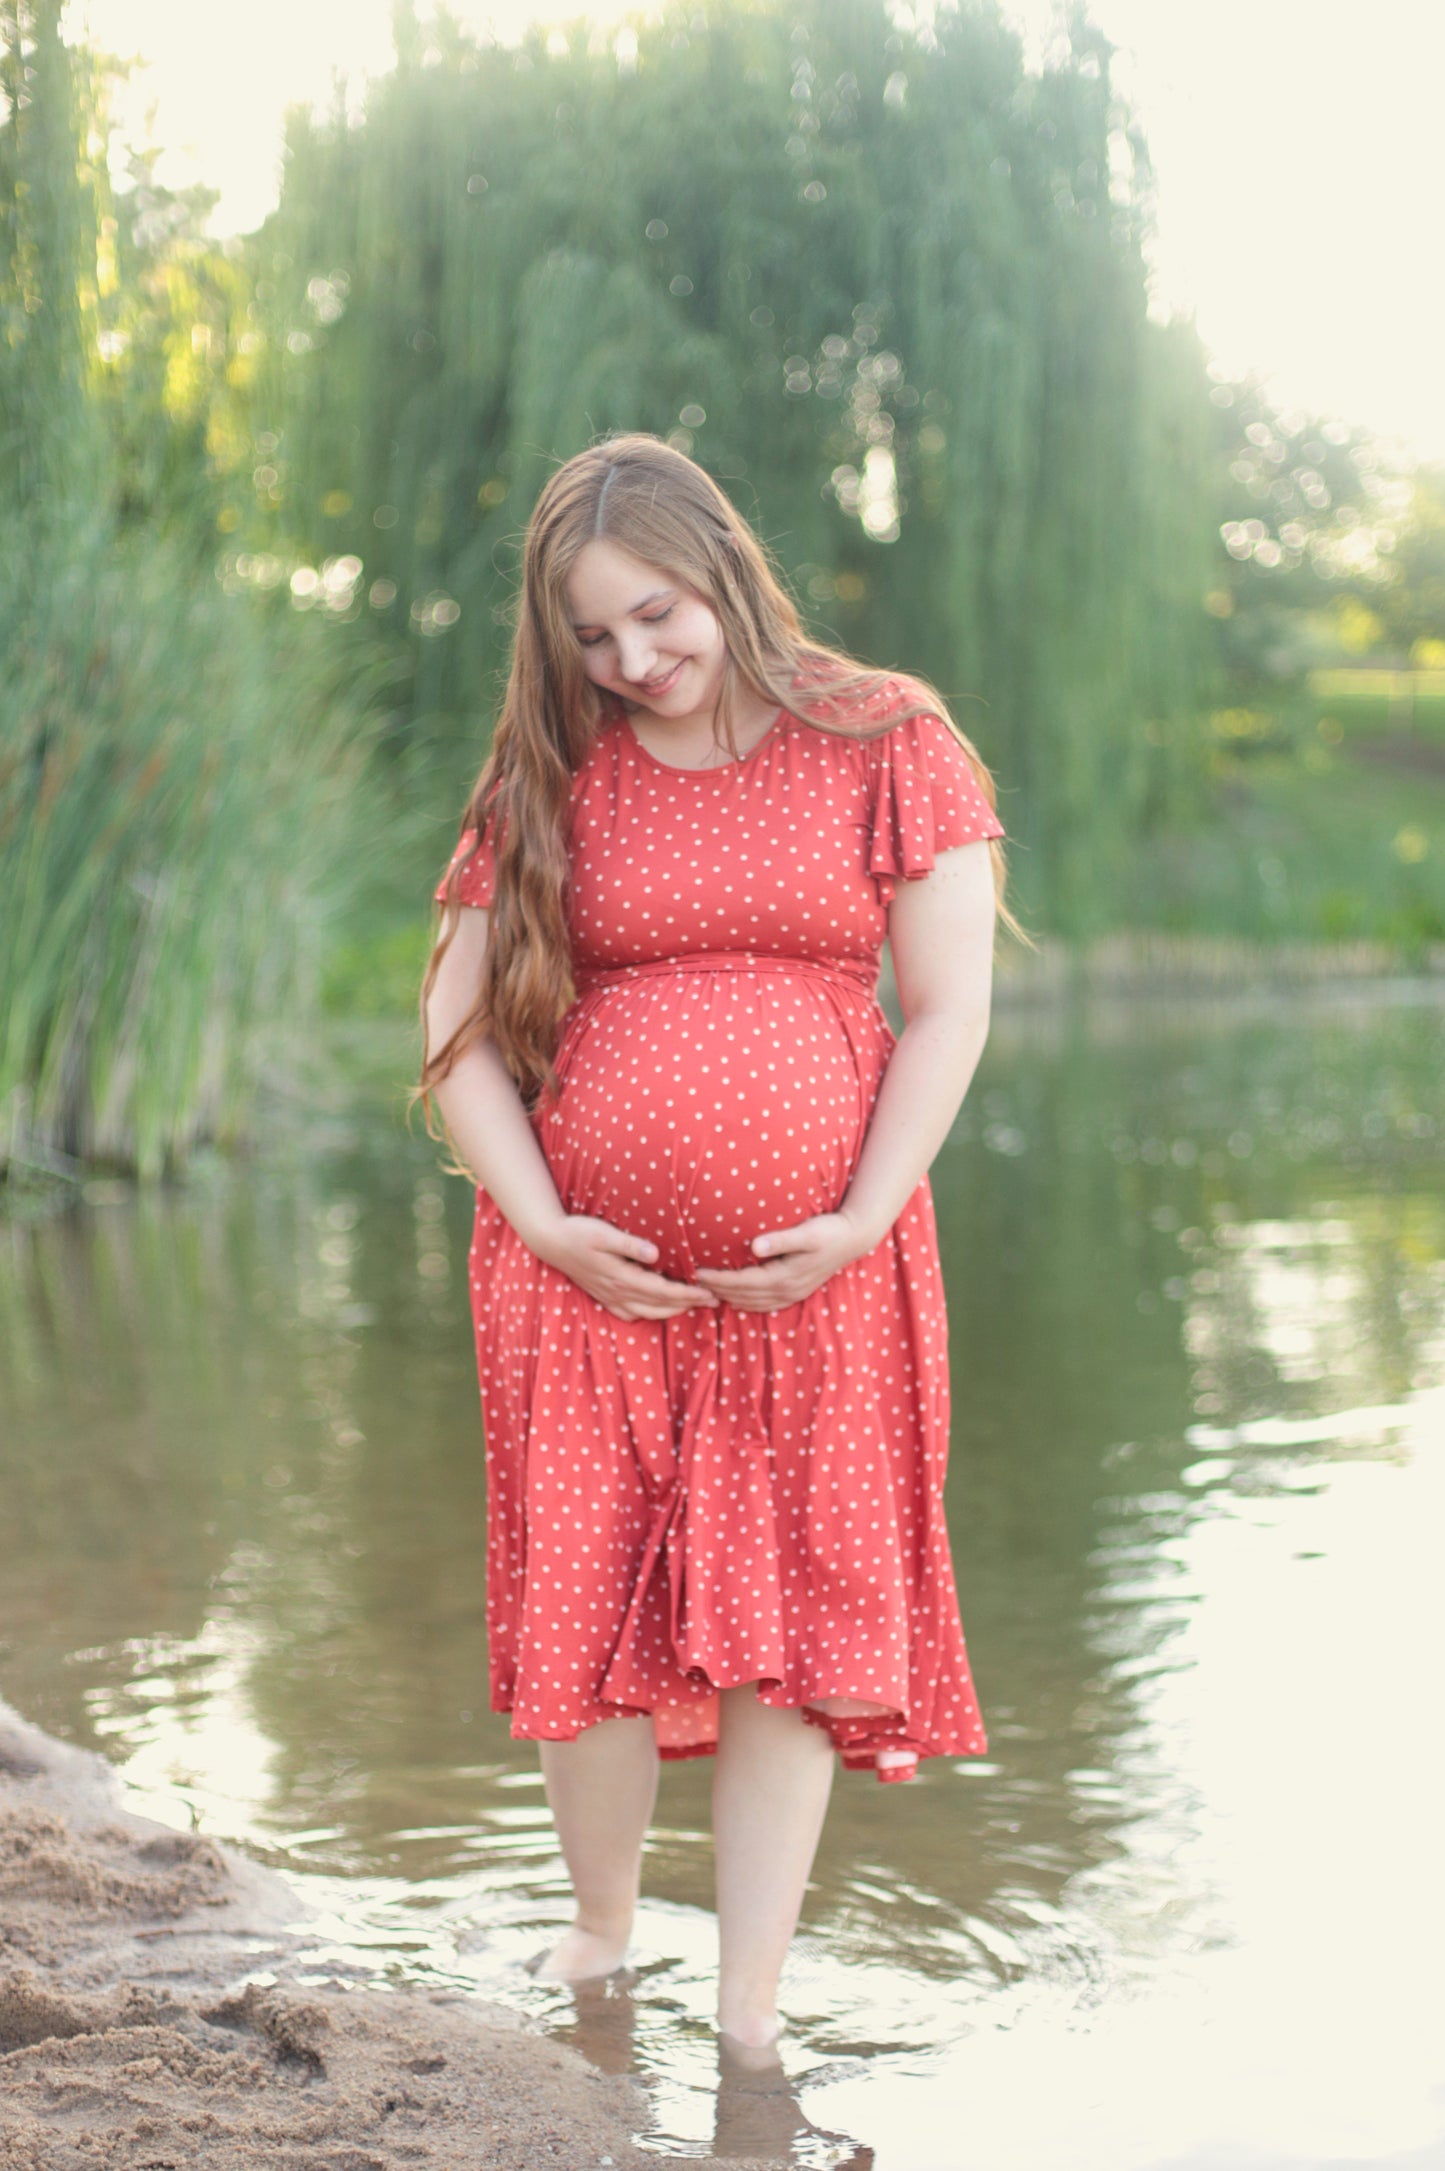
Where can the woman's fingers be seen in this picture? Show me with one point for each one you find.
(641, 1308)
(777, 1241)
(627, 1287)
(743, 1281)
(764, 1289)
(672, 1296)
(621, 1279)
(622, 1243)
(774, 1296)
(804, 1236)
(652, 1296)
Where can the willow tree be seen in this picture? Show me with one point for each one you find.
(886, 285)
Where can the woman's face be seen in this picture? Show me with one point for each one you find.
(644, 634)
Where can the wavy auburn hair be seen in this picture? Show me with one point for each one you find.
(663, 508)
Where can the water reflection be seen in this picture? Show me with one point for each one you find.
(1197, 1302)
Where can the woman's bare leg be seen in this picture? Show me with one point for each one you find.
(770, 1793)
(601, 1789)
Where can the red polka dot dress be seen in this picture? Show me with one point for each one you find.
(678, 1506)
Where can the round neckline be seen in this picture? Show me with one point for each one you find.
(676, 768)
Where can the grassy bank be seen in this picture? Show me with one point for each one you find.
(1325, 844)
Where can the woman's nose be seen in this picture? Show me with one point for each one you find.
(637, 656)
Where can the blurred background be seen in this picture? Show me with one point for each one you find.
(1137, 454)
(1087, 363)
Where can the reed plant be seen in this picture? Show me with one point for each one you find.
(184, 778)
(183, 788)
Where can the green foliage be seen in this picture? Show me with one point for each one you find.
(171, 372)
(1412, 607)
(1333, 546)
(1314, 844)
(49, 445)
(887, 287)
(1407, 707)
(181, 795)
(376, 973)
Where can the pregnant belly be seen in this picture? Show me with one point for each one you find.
(702, 1108)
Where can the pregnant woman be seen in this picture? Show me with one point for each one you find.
(704, 1275)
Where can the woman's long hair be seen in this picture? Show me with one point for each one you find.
(662, 507)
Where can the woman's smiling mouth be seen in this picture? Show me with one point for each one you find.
(661, 685)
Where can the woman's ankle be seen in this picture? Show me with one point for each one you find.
(611, 1928)
(750, 2022)
(582, 1953)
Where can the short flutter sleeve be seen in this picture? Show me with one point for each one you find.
(477, 857)
(925, 798)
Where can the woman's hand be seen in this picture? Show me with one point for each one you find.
(796, 1262)
(610, 1265)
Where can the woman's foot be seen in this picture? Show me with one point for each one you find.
(581, 1955)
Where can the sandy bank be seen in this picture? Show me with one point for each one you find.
(132, 2040)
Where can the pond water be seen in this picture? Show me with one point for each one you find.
(1187, 1912)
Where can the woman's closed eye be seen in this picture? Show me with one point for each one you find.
(655, 620)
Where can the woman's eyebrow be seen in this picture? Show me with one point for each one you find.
(656, 595)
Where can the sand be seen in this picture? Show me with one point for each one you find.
(159, 2008)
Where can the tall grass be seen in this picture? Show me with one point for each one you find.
(183, 773)
(182, 792)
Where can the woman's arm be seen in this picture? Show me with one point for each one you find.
(494, 1138)
(479, 1100)
(941, 931)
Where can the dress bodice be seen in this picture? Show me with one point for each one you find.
(793, 852)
